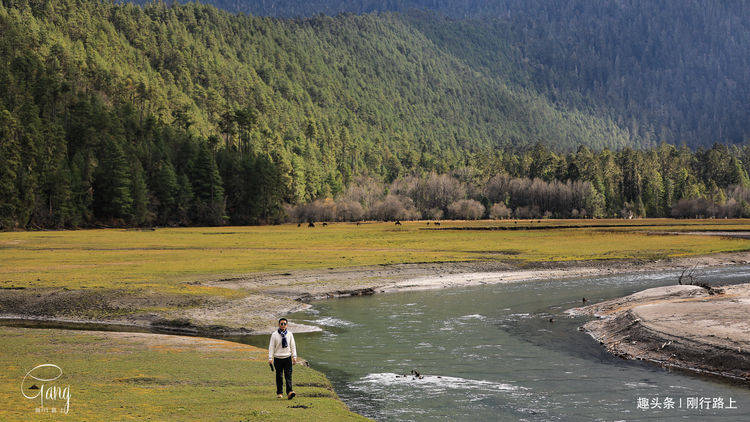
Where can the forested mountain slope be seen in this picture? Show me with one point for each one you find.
(104, 104)
(668, 71)
(112, 113)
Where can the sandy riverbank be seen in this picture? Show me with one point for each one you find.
(681, 326)
(266, 296)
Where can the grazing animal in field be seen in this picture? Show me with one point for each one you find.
(325, 224)
(311, 224)
(358, 223)
(299, 224)
(398, 223)
(428, 223)
(437, 223)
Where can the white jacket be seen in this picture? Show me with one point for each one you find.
(276, 351)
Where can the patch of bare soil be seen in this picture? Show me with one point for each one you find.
(164, 341)
(685, 327)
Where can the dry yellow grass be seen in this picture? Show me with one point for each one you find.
(164, 259)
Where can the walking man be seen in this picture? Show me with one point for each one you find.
(282, 353)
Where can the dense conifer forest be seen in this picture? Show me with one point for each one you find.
(169, 114)
(667, 71)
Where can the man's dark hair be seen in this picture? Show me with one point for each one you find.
(282, 319)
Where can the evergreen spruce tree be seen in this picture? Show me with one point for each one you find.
(142, 215)
(113, 199)
(10, 162)
(207, 188)
(166, 191)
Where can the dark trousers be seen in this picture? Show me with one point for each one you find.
(283, 365)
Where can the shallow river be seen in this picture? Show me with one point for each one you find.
(491, 353)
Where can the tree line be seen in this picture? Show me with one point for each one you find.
(538, 183)
(183, 180)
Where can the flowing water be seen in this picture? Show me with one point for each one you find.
(491, 353)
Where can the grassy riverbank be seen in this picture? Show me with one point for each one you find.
(167, 260)
(239, 279)
(133, 376)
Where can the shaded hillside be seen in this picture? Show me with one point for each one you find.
(673, 70)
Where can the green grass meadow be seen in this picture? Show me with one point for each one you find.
(114, 378)
(165, 259)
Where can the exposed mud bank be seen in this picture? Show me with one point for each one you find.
(683, 327)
